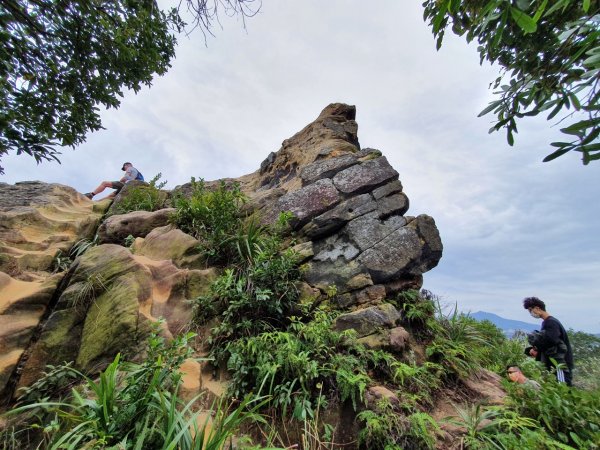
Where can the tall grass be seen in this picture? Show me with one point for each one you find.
(133, 406)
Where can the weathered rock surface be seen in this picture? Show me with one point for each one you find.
(116, 228)
(369, 320)
(170, 243)
(38, 221)
(111, 298)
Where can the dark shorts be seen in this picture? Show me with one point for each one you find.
(117, 185)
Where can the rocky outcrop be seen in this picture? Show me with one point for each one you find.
(110, 299)
(348, 206)
(38, 222)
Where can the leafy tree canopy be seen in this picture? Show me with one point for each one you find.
(549, 54)
(61, 59)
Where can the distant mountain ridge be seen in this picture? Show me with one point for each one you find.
(508, 326)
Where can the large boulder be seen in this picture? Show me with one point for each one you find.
(115, 229)
(110, 300)
(349, 224)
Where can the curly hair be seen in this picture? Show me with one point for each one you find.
(532, 302)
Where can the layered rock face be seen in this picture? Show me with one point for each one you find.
(38, 221)
(349, 220)
(349, 208)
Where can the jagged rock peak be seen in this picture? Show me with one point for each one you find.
(333, 133)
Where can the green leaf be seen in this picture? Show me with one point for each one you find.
(510, 138)
(592, 60)
(581, 125)
(586, 5)
(540, 11)
(556, 154)
(526, 23)
(489, 108)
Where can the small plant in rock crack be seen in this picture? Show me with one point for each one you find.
(143, 197)
(83, 245)
(214, 217)
(88, 290)
(128, 241)
(61, 262)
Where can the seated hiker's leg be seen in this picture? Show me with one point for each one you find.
(117, 186)
(104, 185)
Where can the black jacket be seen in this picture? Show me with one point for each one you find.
(552, 342)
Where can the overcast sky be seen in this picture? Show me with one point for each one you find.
(511, 225)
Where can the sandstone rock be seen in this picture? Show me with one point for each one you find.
(432, 243)
(171, 243)
(369, 320)
(22, 305)
(392, 256)
(322, 274)
(365, 177)
(308, 294)
(404, 283)
(335, 247)
(393, 204)
(332, 134)
(487, 386)
(116, 228)
(371, 295)
(38, 220)
(348, 205)
(368, 230)
(410, 250)
(111, 298)
(399, 339)
(304, 251)
(359, 281)
(393, 187)
(377, 341)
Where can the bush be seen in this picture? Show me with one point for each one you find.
(256, 295)
(569, 415)
(212, 216)
(294, 366)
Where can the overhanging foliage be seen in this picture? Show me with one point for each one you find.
(549, 54)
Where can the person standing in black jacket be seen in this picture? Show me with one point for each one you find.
(551, 343)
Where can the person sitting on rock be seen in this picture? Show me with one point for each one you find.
(515, 375)
(131, 173)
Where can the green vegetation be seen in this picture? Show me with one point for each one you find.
(586, 350)
(130, 406)
(549, 55)
(143, 197)
(214, 217)
(62, 262)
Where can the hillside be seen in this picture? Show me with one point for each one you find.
(284, 305)
(508, 326)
